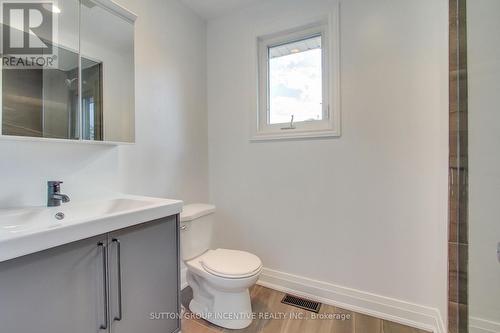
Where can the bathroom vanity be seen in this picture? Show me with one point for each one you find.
(108, 266)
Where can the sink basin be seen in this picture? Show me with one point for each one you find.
(88, 210)
(20, 219)
(25, 219)
(32, 229)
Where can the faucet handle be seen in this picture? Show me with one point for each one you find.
(54, 184)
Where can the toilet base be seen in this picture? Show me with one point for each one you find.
(228, 319)
(224, 308)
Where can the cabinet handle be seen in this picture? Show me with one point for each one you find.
(105, 284)
(119, 273)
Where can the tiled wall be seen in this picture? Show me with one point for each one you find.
(458, 188)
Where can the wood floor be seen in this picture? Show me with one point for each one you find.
(267, 301)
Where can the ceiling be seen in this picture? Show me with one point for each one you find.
(210, 9)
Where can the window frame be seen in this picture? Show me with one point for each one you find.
(329, 126)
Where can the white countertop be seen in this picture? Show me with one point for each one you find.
(32, 229)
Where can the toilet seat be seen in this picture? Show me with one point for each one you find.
(230, 264)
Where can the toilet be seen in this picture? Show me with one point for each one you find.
(220, 278)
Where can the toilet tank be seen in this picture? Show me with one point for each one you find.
(196, 229)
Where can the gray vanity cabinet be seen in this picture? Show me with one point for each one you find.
(55, 291)
(115, 283)
(147, 304)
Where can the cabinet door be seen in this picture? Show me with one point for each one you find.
(55, 291)
(146, 257)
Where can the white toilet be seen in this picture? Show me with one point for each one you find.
(219, 278)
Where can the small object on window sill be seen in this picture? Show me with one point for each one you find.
(291, 125)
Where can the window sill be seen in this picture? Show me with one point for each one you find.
(292, 135)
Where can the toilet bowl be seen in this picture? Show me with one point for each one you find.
(220, 278)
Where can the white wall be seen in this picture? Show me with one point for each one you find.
(368, 210)
(170, 156)
(484, 162)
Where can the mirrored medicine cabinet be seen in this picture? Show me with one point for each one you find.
(68, 71)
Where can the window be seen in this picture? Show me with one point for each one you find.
(295, 81)
(297, 84)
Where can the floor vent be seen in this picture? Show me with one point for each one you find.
(301, 303)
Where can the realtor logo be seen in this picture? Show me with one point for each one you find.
(27, 28)
(28, 34)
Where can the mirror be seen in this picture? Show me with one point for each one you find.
(37, 100)
(72, 81)
(107, 48)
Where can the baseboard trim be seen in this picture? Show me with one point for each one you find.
(479, 325)
(402, 312)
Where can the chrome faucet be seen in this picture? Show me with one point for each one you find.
(54, 195)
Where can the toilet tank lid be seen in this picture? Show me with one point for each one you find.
(194, 211)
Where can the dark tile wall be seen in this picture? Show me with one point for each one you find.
(458, 172)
